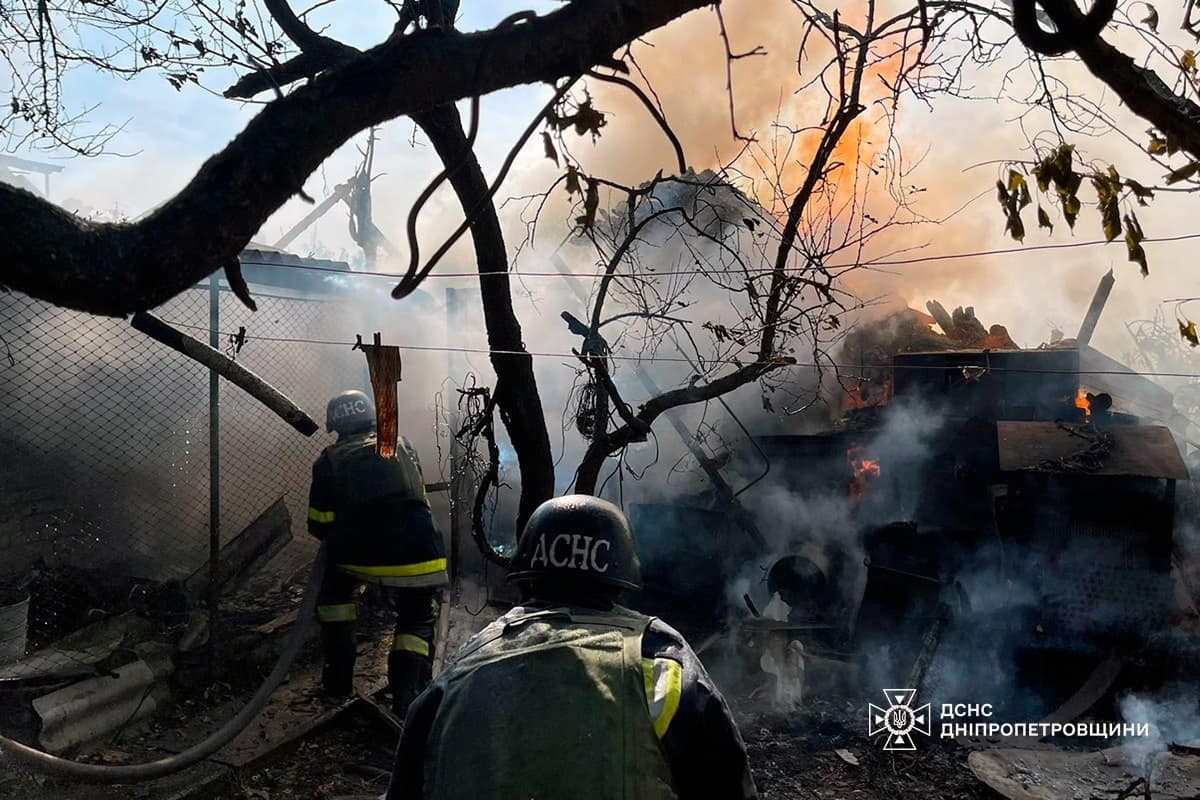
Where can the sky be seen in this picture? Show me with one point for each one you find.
(167, 134)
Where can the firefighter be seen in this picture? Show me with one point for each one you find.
(569, 694)
(373, 513)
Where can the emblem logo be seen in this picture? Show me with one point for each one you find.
(899, 720)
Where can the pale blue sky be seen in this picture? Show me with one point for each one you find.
(170, 133)
(167, 134)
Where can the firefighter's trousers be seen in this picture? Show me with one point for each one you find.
(411, 657)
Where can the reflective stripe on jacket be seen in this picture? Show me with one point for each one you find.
(374, 513)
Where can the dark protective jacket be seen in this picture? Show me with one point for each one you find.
(536, 706)
(374, 514)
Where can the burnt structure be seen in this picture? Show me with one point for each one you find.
(1043, 526)
(1005, 512)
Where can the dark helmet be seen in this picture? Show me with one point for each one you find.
(580, 538)
(350, 412)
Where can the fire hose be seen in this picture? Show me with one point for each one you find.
(66, 769)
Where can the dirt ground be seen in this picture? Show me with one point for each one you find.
(820, 751)
(804, 757)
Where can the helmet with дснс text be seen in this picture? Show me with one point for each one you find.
(350, 412)
(580, 539)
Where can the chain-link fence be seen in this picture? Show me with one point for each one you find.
(105, 491)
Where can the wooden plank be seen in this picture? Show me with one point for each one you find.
(229, 369)
(247, 552)
(1138, 450)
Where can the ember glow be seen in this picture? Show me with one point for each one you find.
(864, 469)
(867, 394)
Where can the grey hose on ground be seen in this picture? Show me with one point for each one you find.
(68, 770)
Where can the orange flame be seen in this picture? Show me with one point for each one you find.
(867, 394)
(864, 469)
(1081, 401)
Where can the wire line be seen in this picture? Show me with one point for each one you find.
(893, 262)
(684, 360)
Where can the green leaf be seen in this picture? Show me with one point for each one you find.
(1108, 194)
(573, 186)
(1110, 219)
(585, 119)
(1151, 19)
(1189, 333)
(1011, 205)
(1140, 192)
(1017, 185)
(1071, 206)
(587, 220)
(1042, 176)
(1015, 226)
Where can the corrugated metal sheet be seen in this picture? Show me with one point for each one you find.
(88, 710)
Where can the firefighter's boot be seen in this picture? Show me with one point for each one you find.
(408, 675)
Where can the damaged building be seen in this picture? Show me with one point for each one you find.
(977, 513)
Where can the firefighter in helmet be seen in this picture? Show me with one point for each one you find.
(570, 694)
(374, 516)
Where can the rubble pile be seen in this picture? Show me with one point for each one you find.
(103, 651)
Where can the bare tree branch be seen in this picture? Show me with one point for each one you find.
(600, 449)
(118, 268)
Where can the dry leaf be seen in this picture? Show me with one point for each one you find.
(1151, 19)
(1188, 332)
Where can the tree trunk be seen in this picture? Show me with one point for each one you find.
(517, 395)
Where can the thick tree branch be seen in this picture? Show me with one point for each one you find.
(296, 68)
(118, 268)
(600, 449)
(1073, 28)
(317, 53)
(1175, 116)
(303, 36)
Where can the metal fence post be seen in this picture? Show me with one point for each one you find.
(214, 474)
(453, 320)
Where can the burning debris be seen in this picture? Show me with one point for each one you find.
(911, 331)
(984, 523)
(863, 468)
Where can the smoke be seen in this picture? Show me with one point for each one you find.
(117, 426)
(1173, 714)
(805, 506)
(685, 63)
